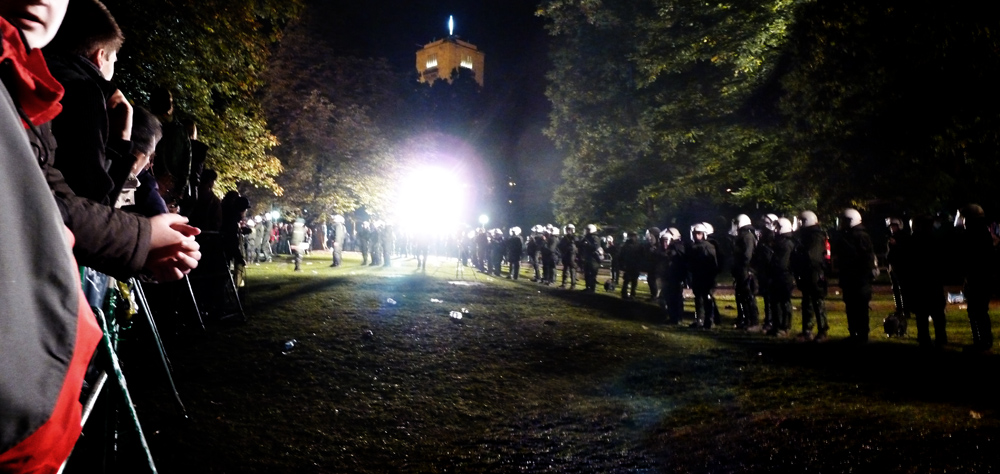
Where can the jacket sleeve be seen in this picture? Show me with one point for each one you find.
(108, 240)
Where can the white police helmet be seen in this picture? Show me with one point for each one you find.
(808, 218)
(591, 228)
(741, 220)
(784, 226)
(699, 228)
(851, 218)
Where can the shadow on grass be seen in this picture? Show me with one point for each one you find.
(258, 299)
(612, 306)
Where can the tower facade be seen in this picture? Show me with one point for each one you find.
(438, 59)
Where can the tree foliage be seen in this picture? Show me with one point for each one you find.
(211, 55)
(330, 112)
(779, 104)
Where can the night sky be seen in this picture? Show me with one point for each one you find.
(516, 48)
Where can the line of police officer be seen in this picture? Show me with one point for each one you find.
(774, 257)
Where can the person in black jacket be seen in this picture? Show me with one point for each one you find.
(677, 271)
(808, 265)
(854, 258)
(761, 264)
(923, 272)
(515, 250)
(704, 266)
(781, 279)
(897, 274)
(568, 254)
(747, 316)
(978, 254)
(534, 249)
(591, 254)
(94, 130)
(630, 256)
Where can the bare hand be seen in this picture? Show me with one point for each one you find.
(120, 115)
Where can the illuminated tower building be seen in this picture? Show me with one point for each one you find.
(436, 60)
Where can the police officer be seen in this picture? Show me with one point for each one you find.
(592, 254)
(296, 243)
(515, 250)
(781, 280)
(747, 316)
(809, 267)
(673, 289)
(761, 264)
(550, 254)
(338, 234)
(704, 266)
(568, 254)
(534, 249)
(498, 248)
(923, 273)
(977, 245)
(364, 236)
(630, 256)
(854, 257)
(611, 252)
(895, 247)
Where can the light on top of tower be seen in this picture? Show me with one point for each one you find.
(451, 25)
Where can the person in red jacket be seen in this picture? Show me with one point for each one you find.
(47, 331)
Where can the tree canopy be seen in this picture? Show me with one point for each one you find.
(211, 55)
(661, 106)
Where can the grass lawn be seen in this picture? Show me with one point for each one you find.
(538, 379)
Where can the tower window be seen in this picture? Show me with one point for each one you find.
(466, 61)
(432, 61)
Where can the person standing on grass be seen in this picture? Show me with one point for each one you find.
(781, 279)
(747, 316)
(704, 266)
(677, 272)
(592, 254)
(338, 234)
(854, 257)
(923, 272)
(978, 255)
(515, 249)
(631, 262)
(568, 253)
(808, 265)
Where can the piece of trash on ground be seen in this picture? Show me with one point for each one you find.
(390, 301)
(289, 345)
(435, 300)
(455, 314)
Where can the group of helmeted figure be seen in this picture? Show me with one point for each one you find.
(770, 260)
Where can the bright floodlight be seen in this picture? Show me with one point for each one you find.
(430, 200)
(483, 219)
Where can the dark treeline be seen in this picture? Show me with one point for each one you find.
(681, 107)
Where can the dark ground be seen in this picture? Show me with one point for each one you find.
(537, 379)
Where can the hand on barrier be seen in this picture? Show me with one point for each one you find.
(173, 251)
